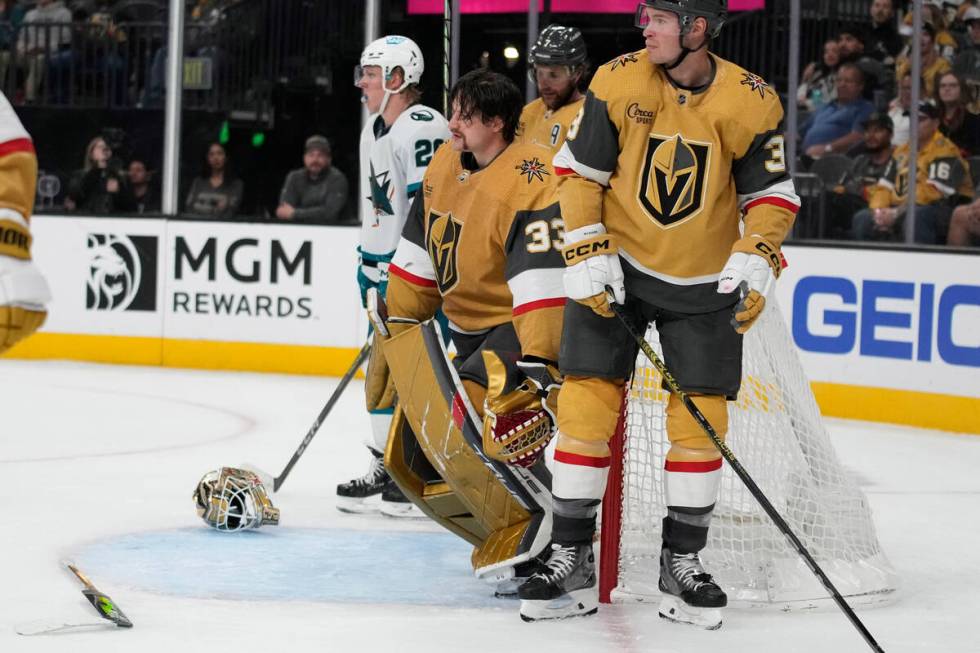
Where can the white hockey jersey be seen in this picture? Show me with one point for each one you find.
(393, 162)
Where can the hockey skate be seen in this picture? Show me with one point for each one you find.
(690, 595)
(394, 503)
(566, 587)
(353, 496)
(508, 580)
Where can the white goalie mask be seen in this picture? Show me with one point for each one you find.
(232, 499)
(390, 52)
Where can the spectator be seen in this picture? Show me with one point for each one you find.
(851, 40)
(900, 109)
(958, 123)
(141, 194)
(967, 62)
(216, 193)
(837, 126)
(39, 41)
(871, 158)
(884, 41)
(317, 192)
(932, 63)
(98, 187)
(964, 225)
(942, 178)
(946, 43)
(11, 16)
(817, 83)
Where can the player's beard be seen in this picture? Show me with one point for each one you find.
(560, 99)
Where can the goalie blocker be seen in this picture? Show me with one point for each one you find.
(435, 454)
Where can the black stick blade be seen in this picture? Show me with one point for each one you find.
(107, 608)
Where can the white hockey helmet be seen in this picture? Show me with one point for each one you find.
(392, 52)
(232, 499)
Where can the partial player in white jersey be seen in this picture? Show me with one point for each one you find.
(397, 143)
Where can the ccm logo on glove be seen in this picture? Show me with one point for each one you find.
(588, 248)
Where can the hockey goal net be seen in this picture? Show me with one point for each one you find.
(776, 432)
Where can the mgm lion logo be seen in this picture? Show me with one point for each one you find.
(672, 182)
(120, 276)
(442, 241)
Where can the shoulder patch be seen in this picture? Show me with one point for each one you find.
(534, 169)
(756, 83)
(422, 115)
(623, 60)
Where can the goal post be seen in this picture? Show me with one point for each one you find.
(776, 430)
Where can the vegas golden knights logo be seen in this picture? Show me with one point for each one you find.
(442, 241)
(673, 179)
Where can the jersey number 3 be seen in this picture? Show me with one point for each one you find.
(777, 155)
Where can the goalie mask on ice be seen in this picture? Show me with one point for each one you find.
(232, 499)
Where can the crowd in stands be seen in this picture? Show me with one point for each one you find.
(317, 193)
(856, 116)
(47, 48)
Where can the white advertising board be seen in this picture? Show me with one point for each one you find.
(885, 319)
(220, 281)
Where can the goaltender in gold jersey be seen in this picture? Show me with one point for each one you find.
(482, 242)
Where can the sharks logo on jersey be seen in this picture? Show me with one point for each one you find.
(381, 193)
(672, 184)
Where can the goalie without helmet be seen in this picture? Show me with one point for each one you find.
(232, 499)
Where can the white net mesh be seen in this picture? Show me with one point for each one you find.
(776, 432)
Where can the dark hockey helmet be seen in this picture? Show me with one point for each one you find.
(558, 45)
(714, 11)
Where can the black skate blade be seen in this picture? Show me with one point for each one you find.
(532, 620)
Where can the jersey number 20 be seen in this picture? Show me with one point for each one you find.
(424, 151)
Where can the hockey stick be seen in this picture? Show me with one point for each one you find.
(361, 357)
(105, 606)
(727, 454)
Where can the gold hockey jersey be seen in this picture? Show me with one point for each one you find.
(941, 173)
(670, 171)
(18, 179)
(485, 245)
(541, 125)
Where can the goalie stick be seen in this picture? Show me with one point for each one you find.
(104, 605)
(276, 483)
(743, 475)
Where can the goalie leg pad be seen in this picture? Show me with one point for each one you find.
(503, 511)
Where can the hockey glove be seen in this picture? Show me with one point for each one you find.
(592, 261)
(372, 262)
(23, 295)
(752, 269)
(520, 409)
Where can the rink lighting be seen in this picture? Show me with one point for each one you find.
(511, 53)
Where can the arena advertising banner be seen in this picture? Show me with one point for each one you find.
(201, 294)
(262, 283)
(106, 275)
(557, 6)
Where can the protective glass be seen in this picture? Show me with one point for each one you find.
(656, 20)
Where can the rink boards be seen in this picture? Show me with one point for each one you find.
(884, 335)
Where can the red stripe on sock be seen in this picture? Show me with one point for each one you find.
(695, 467)
(540, 303)
(578, 459)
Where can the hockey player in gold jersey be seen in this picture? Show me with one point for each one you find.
(23, 291)
(482, 241)
(557, 62)
(675, 194)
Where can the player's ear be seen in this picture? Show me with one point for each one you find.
(497, 124)
(396, 79)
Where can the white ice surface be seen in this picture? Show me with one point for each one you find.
(99, 463)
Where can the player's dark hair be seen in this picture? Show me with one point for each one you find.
(492, 95)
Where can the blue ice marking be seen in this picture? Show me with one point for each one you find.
(293, 564)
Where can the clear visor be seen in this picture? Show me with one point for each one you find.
(550, 74)
(358, 74)
(657, 20)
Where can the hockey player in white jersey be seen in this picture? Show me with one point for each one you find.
(397, 143)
